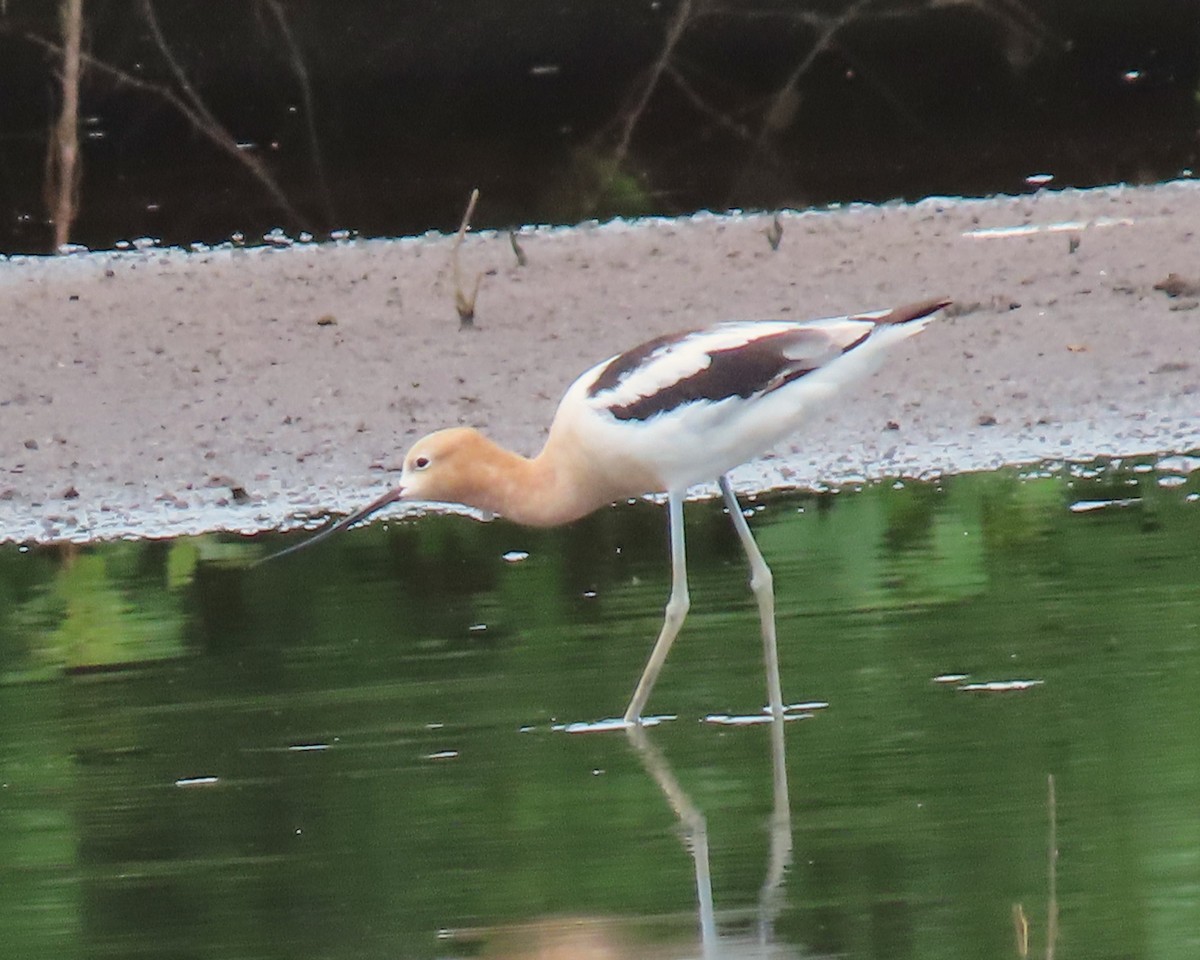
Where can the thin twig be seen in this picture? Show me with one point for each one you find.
(194, 98)
(789, 91)
(464, 303)
(301, 70)
(724, 120)
(211, 129)
(775, 232)
(674, 32)
(517, 249)
(633, 115)
(785, 102)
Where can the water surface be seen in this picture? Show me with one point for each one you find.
(353, 752)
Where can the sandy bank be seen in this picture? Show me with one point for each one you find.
(161, 392)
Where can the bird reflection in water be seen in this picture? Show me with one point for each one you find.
(620, 938)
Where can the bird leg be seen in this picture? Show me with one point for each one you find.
(763, 585)
(677, 608)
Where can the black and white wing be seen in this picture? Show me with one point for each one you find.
(744, 359)
(689, 407)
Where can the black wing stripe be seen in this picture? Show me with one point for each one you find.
(756, 367)
(621, 366)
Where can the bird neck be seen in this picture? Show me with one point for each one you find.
(542, 491)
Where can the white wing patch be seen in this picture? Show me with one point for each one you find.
(736, 359)
(638, 374)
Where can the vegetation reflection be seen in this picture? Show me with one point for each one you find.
(354, 753)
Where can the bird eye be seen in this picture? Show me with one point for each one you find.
(421, 463)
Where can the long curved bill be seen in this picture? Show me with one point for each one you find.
(392, 496)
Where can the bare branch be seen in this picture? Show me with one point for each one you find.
(674, 32)
(204, 120)
(788, 94)
(209, 128)
(633, 115)
(784, 104)
(739, 130)
(301, 71)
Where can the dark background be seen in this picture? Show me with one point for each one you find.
(380, 118)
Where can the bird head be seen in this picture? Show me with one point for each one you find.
(446, 466)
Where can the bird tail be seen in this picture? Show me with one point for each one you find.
(897, 316)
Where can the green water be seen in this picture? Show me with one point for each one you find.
(350, 752)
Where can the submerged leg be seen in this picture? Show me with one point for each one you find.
(763, 585)
(677, 608)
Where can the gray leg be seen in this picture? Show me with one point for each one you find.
(677, 608)
(763, 585)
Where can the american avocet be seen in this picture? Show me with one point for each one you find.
(674, 412)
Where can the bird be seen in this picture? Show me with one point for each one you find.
(676, 411)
